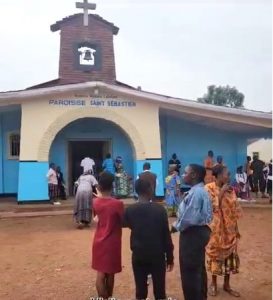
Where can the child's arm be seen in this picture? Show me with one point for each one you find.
(49, 173)
(168, 242)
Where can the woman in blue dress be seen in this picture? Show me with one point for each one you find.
(172, 197)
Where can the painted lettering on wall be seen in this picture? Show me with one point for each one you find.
(95, 102)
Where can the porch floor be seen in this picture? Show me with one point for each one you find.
(10, 208)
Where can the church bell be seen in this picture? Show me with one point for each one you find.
(87, 55)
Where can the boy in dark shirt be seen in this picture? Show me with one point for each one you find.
(150, 241)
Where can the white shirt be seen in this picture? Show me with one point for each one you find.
(52, 176)
(87, 163)
(242, 178)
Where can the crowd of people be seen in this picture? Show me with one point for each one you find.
(206, 218)
(252, 178)
(255, 176)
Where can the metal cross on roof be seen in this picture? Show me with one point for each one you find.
(85, 6)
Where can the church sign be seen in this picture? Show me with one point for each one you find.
(93, 102)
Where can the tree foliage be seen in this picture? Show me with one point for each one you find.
(223, 96)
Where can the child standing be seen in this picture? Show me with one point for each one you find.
(172, 191)
(106, 251)
(151, 241)
(242, 184)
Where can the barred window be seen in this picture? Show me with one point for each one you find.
(14, 145)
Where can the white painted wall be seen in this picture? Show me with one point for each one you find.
(263, 147)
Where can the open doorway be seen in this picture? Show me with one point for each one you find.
(78, 150)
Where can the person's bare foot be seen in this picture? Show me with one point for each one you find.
(212, 290)
(80, 225)
(233, 293)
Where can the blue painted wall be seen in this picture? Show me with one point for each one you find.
(33, 182)
(10, 121)
(191, 143)
(92, 129)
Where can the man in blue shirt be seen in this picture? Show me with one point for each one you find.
(194, 213)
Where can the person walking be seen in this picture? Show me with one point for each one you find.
(83, 200)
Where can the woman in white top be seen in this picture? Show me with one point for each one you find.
(83, 200)
(52, 184)
(242, 184)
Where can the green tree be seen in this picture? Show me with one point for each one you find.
(223, 96)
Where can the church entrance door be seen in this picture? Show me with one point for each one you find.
(78, 150)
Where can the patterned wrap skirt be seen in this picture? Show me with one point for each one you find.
(83, 206)
(52, 191)
(228, 266)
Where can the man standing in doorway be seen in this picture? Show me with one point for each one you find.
(149, 176)
(194, 214)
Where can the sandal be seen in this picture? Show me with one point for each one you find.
(232, 292)
(213, 290)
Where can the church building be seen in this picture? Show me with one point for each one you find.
(87, 112)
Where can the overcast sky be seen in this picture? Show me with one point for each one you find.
(176, 47)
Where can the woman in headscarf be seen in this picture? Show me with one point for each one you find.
(172, 198)
(223, 259)
(122, 180)
(83, 199)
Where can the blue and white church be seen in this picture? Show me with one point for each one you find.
(87, 112)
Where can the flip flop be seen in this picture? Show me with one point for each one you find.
(232, 292)
(212, 291)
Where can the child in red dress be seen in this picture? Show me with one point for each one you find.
(106, 252)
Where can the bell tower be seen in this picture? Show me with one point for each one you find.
(86, 47)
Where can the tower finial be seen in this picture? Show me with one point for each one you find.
(85, 6)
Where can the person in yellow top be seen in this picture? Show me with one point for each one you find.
(222, 255)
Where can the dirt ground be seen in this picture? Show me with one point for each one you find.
(47, 258)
